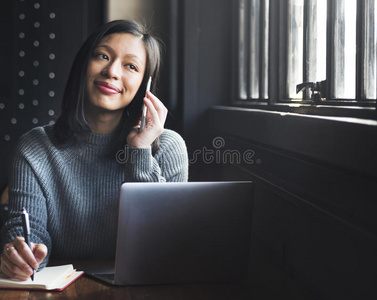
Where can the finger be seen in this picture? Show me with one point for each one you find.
(11, 270)
(25, 253)
(154, 99)
(162, 111)
(159, 106)
(7, 247)
(154, 122)
(14, 264)
(18, 239)
(151, 110)
(40, 252)
(158, 117)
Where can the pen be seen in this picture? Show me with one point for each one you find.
(144, 114)
(26, 228)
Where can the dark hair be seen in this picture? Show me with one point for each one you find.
(72, 119)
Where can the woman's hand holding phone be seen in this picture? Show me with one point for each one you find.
(156, 116)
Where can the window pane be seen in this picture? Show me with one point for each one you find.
(316, 41)
(265, 37)
(242, 70)
(370, 42)
(344, 60)
(295, 46)
(254, 48)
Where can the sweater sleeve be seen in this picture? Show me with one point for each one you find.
(170, 162)
(25, 192)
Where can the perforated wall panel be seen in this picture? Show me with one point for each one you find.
(45, 36)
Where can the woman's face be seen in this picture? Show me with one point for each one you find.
(115, 71)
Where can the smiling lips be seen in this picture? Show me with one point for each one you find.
(107, 88)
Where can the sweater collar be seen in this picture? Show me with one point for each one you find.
(103, 140)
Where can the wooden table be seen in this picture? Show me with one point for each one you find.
(262, 284)
(88, 288)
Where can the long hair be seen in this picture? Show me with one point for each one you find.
(72, 119)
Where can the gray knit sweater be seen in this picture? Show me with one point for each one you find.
(71, 192)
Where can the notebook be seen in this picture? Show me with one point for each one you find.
(55, 278)
(181, 233)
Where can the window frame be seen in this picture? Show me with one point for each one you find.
(277, 67)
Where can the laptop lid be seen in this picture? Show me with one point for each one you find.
(183, 232)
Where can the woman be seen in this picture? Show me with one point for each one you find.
(68, 176)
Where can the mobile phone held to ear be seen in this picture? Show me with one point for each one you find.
(144, 113)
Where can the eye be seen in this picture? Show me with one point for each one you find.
(131, 66)
(101, 56)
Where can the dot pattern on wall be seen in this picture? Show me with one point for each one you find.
(46, 35)
(35, 75)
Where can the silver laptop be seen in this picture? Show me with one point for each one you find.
(182, 233)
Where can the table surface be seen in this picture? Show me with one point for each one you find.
(258, 286)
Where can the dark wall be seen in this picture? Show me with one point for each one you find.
(5, 49)
(206, 80)
(207, 59)
(41, 39)
(315, 198)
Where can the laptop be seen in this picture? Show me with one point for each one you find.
(190, 232)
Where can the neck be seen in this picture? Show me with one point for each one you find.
(104, 122)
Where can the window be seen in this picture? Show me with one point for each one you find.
(253, 49)
(369, 56)
(295, 45)
(315, 39)
(288, 42)
(344, 50)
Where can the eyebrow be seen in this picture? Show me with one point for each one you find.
(129, 55)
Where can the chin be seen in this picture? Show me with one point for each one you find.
(109, 105)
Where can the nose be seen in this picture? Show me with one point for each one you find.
(112, 70)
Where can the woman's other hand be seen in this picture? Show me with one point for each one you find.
(18, 259)
(156, 117)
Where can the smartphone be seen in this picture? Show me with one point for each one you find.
(144, 113)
